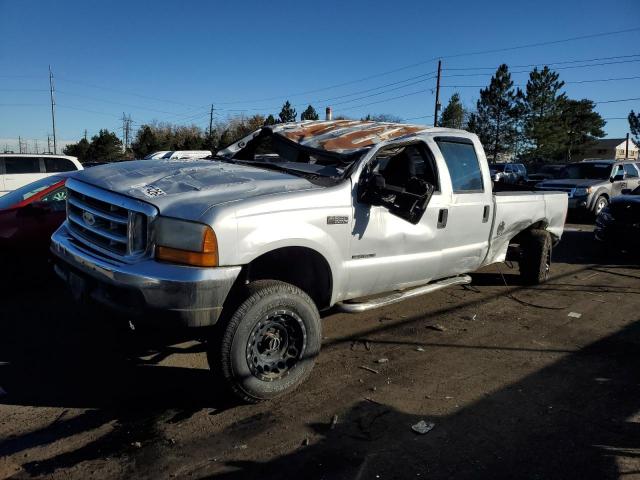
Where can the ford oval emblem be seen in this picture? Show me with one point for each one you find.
(88, 218)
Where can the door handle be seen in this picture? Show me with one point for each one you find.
(485, 214)
(443, 214)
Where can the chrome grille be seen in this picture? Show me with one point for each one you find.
(109, 223)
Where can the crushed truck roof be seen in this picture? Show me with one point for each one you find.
(344, 136)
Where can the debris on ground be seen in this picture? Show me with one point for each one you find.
(436, 327)
(382, 360)
(305, 442)
(242, 446)
(420, 349)
(423, 427)
(372, 370)
(334, 422)
(574, 315)
(136, 444)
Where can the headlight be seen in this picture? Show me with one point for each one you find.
(582, 191)
(188, 243)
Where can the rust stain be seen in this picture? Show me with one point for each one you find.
(345, 135)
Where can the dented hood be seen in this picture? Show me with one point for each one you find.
(186, 189)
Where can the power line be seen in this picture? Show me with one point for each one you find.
(433, 59)
(618, 101)
(567, 82)
(100, 87)
(550, 63)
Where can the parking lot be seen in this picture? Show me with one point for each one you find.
(520, 382)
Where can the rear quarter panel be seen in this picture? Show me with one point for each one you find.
(517, 211)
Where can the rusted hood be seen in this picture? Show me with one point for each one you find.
(186, 189)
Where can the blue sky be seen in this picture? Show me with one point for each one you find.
(167, 61)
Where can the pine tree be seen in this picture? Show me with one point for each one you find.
(288, 113)
(270, 120)
(78, 150)
(543, 106)
(309, 114)
(104, 147)
(453, 114)
(634, 125)
(495, 119)
(582, 126)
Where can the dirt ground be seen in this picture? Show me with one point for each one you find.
(516, 388)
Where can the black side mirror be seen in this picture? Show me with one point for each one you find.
(626, 191)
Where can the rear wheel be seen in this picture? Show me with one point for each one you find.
(535, 257)
(269, 344)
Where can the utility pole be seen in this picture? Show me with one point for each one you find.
(53, 111)
(19, 144)
(35, 142)
(126, 130)
(48, 143)
(435, 115)
(626, 148)
(211, 120)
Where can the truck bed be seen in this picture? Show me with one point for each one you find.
(515, 211)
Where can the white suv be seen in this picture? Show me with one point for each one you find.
(18, 169)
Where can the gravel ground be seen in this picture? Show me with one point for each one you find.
(515, 383)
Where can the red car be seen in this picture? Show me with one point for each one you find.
(28, 217)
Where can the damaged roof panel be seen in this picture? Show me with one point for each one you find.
(344, 136)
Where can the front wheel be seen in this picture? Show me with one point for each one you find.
(600, 205)
(269, 344)
(535, 257)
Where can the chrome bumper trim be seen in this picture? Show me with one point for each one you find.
(194, 294)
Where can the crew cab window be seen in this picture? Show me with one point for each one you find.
(53, 164)
(13, 165)
(631, 171)
(463, 165)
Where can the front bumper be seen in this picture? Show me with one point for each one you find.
(192, 295)
(579, 203)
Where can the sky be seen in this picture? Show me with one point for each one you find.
(170, 60)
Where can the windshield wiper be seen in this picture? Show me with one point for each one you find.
(275, 166)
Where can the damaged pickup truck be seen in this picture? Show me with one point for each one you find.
(289, 221)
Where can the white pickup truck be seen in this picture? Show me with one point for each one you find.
(291, 220)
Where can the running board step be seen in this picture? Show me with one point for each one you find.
(350, 306)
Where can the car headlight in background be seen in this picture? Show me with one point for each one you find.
(188, 243)
(582, 191)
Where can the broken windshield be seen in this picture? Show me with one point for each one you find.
(272, 151)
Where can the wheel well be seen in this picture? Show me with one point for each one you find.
(300, 266)
(541, 225)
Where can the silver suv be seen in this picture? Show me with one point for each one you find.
(593, 183)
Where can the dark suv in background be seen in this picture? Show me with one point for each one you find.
(593, 183)
(512, 173)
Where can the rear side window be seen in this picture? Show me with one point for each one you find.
(463, 165)
(630, 170)
(53, 164)
(13, 165)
